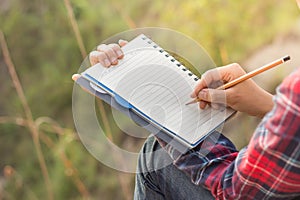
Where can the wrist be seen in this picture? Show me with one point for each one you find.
(266, 104)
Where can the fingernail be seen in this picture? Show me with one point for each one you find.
(119, 53)
(75, 77)
(121, 41)
(113, 60)
(193, 95)
(106, 62)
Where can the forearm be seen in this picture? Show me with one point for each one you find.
(264, 103)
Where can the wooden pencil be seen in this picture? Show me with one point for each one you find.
(248, 75)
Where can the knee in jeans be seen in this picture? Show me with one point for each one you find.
(152, 157)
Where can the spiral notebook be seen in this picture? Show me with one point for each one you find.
(154, 86)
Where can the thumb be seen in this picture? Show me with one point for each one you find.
(75, 77)
(213, 96)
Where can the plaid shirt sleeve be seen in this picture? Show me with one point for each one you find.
(269, 168)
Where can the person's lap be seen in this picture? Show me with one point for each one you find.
(158, 178)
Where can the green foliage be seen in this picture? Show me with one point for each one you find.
(44, 50)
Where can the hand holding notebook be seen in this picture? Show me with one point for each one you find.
(152, 84)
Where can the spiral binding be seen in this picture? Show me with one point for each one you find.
(172, 59)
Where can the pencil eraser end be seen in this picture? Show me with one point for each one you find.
(286, 58)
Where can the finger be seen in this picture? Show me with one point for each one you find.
(110, 53)
(206, 80)
(99, 57)
(213, 95)
(75, 77)
(117, 50)
(202, 104)
(231, 72)
(218, 76)
(93, 57)
(122, 42)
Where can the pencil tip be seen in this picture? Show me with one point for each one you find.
(193, 101)
(188, 103)
(286, 58)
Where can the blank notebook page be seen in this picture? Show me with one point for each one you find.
(159, 87)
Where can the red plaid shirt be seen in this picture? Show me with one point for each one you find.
(269, 168)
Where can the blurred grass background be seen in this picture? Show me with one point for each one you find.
(40, 153)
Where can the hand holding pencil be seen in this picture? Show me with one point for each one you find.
(241, 93)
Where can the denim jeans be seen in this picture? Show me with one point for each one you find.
(157, 178)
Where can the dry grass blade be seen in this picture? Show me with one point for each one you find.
(31, 125)
(71, 171)
(123, 182)
(75, 28)
(13, 120)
